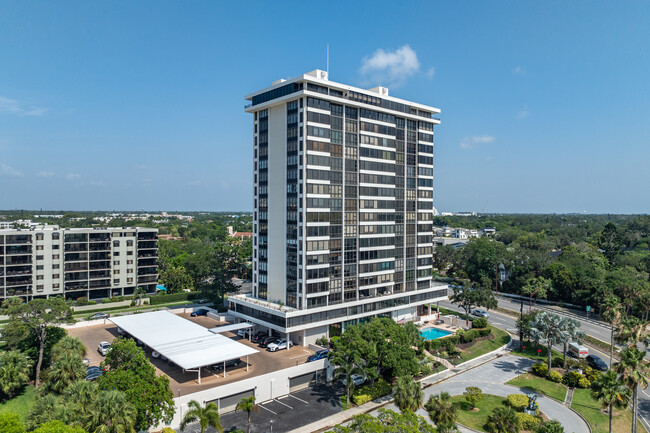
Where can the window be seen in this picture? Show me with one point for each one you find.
(55, 266)
(116, 281)
(129, 271)
(116, 262)
(55, 257)
(39, 277)
(55, 247)
(129, 262)
(116, 244)
(56, 286)
(39, 287)
(39, 257)
(129, 253)
(56, 235)
(129, 243)
(39, 247)
(116, 271)
(56, 275)
(116, 253)
(39, 267)
(129, 280)
(39, 236)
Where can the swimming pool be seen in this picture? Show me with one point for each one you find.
(433, 333)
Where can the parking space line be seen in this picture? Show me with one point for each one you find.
(262, 406)
(296, 357)
(283, 404)
(299, 399)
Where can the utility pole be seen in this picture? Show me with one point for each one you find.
(521, 327)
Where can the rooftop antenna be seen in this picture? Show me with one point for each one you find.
(328, 60)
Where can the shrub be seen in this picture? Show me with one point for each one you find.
(555, 376)
(473, 396)
(584, 383)
(571, 379)
(528, 421)
(168, 430)
(161, 298)
(540, 369)
(518, 402)
(468, 336)
(323, 341)
(552, 426)
(481, 322)
(426, 369)
(557, 362)
(367, 393)
(591, 374)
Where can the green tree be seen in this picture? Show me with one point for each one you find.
(37, 315)
(11, 423)
(14, 372)
(207, 416)
(612, 392)
(176, 279)
(503, 420)
(130, 371)
(633, 372)
(610, 242)
(469, 298)
(58, 427)
(69, 344)
(571, 333)
(347, 365)
(552, 426)
(387, 421)
(111, 412)
(247, 404)
(524, 324)
(537, 288)
(548, 328)
(442, 412)
(632, 332)
(473, 396)
(612, 313)
(66, 368)
(408, 394)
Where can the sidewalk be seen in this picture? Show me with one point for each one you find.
(346, 415)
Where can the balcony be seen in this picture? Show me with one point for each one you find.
(18, 239)
(76, 276)
(148, 278)
(99, 237)
(18, 261)
(18, 250)
(100, 246)
(99, 274)
(148, 271)
(147, 236)
(18, 270)
(75, 267)
(73, 248)
(76, 257)
(76, 237)
(100, 265)
(147, 262)
(21, 281)
(100, 284)
(19, 291)
(94, 256)
(76, 286)
(147, 245)
(146, 254)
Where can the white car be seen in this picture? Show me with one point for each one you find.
(103, 348)
(480, 313)
(155, 354)
(357, 379)
(282, 344)
(244, 332)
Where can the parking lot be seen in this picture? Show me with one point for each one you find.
(186, 382)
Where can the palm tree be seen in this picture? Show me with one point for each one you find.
(247, 404)
(408, 394)
(503, 420)
(442, 412)
(111, 413)
(550, 328)
(80, 396)
(15, 368)
(349, 366)
(612, 312)
(633, 331)
(207, 416)
(611, 392)
(66, 369)
(69, 344)
(633, 373)
(572, 333)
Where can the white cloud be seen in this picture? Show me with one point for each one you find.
(472, 142)
(45, 173)
(390, 67)
(11, 106)
(430, 73)
(73, 176)
(6, 170)
(523, 113)
(519, 70)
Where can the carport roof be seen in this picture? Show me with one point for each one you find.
(233, 327)
(183, 342)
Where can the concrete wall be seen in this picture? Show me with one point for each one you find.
(313, 334)
(265, 387)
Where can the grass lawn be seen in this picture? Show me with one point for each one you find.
(531, 352)
(476, 420)
(480, 347)
(599, 421)
(541, 386)
(21, 404)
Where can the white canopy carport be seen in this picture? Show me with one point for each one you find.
(233, 327)
(186, 344)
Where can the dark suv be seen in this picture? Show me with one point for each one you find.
(265, 342)
(230, 363)
(596, 363)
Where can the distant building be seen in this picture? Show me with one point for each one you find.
(77, 262)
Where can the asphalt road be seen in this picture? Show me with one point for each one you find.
(592, 328)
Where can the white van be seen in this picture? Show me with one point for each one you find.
(578, 350)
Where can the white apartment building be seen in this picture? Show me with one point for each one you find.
(343, 207)
(94, 263)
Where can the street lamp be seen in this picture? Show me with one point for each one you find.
(271, 426)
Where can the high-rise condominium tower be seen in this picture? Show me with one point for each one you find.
(343, 207)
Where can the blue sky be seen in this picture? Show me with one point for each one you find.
(139, 105)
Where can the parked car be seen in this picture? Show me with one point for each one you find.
(155, 354)
(258, 336)
(98, 316)
(596, 362)
(93, 373)
(103, 348)
(265, 342)
(199, 312)
(578, 350)
(480, 313)
(229, 363)
(244, 332)
(86, 362)
(279, 345)
(318, 355)
(357, 379)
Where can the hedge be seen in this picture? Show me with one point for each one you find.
(175, 297)
(571, 379)
(555, 376)
(518, 402)
(528, 421)
(454, 339)
(540, 369)
(368, 393)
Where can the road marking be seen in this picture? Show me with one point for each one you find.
(299, 399)
(278, 401)
(262, 406)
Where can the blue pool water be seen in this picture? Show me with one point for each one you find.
(433, 333)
